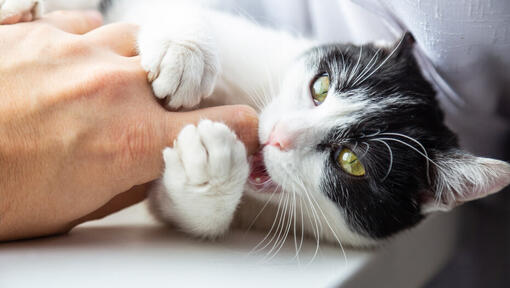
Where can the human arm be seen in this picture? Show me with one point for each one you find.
(79, 125)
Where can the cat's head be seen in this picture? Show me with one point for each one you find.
(357, 135)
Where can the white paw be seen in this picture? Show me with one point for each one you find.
(205, 174)
(14, 11)
(182, 68)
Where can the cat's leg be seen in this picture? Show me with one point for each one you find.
(205, 173)
(179, 54)
(14, 11)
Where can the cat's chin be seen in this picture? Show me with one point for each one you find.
(259, 180)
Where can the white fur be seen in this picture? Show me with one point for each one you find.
(463, 177)
(254, 61)
(11, 8)
(181, 60)
(190, 53)
(204, 177)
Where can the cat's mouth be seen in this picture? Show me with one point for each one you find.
(259, 178)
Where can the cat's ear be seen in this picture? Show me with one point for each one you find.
(404, 46)
(459, 177)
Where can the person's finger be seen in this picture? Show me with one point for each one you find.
(120, 37)
(75, 22)
(241, 119)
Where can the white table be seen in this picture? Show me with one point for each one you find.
(129, 250)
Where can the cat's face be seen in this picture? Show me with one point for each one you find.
(355, 140)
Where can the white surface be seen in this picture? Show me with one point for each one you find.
(129, 250)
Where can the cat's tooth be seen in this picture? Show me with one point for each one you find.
(257, 180)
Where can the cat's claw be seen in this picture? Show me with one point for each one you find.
(182, 72)
(205, 173)
(15, 11)
(151, 76)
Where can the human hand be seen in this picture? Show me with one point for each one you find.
(79, 125)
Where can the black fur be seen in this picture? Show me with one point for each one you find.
(375, 205)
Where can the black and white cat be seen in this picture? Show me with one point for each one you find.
(354, 145)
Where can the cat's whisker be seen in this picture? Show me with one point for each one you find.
(279, 218)
(280, 228)
(366, 150)
(368, 67)
(318, 223)
(268, 92)
(256, 248)
(326, 220)
(418, 143)
(298, 247)
(272, 90)
(259, 96)
(286, 233)
(262, 209)
(356, 67)
(256, 97)
(302, 226)
(371, 135)
(344, 72)
(294, 224)
(417, 151)
(391, 157)
(384, 61)
(311, 216)
(355, 146)
(313, 223)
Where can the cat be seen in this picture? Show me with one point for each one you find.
(354, 148)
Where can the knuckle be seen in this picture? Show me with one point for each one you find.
(74, 46)
(41, 31)
(111, 83)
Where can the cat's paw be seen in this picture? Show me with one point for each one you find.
(205, 174)
(15, 11)
(181, 69)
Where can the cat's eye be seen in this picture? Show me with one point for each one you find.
(320, 88)
(350, 163)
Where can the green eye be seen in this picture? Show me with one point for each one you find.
(320, 88)
(350, 163)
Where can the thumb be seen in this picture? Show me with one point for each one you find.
(241, 119)
(75, 22)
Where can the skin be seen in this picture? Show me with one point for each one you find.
(81, 134)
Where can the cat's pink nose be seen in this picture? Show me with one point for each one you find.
(279, 138)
